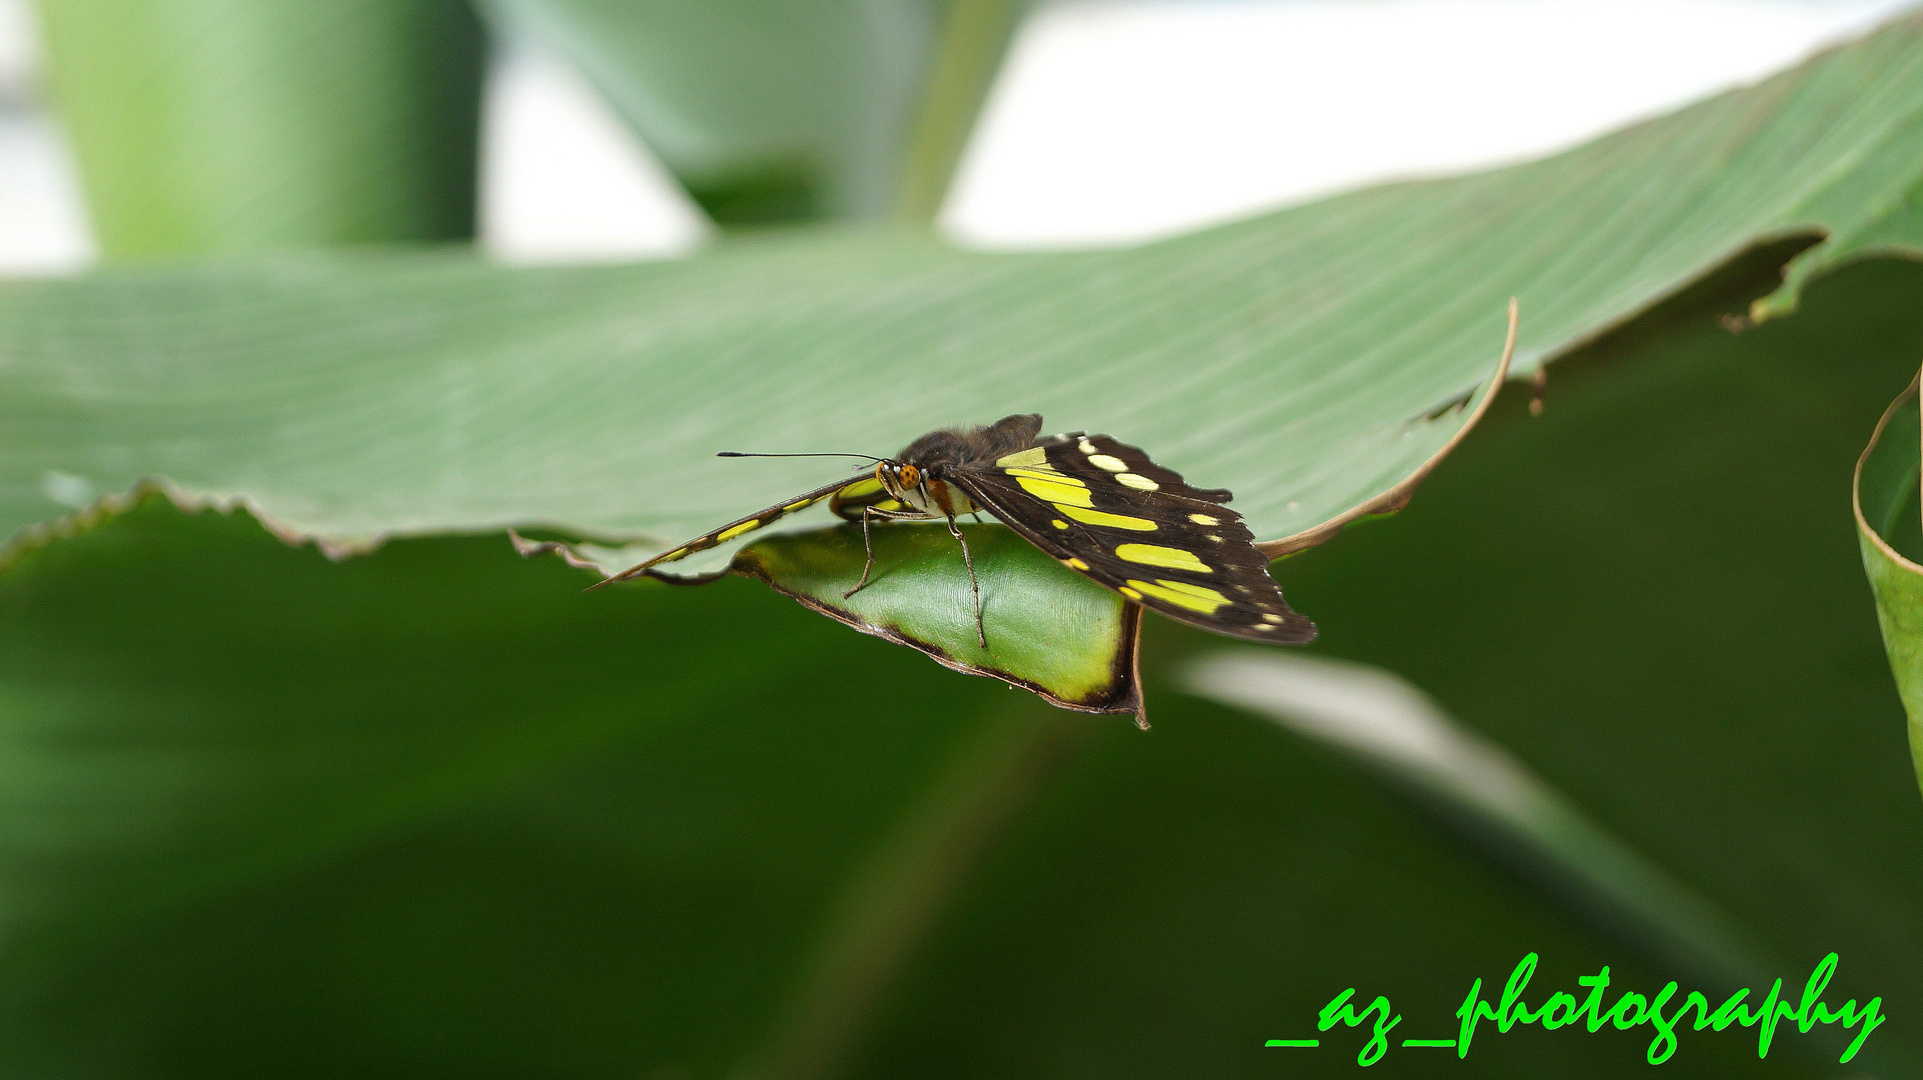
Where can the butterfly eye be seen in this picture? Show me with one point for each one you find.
(910, 476)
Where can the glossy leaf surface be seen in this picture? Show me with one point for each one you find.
(1049, 628)
(1305, 360)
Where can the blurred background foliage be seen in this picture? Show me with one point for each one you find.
(226, 126)
(429, 811)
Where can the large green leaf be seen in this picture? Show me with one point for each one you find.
(1885, 495)
(774, 110)
(241, 125)
(1303, 359)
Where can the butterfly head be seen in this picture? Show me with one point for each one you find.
(904, 481)
(923, 488)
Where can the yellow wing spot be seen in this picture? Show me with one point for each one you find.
(1202, 591)
(1034, 455)
(1113, 521)
(1204, 519)
(672, 555)
(1136, 481)
(1047, 473)
(1059, 494)
(1272, 618)
(1153, 555)
(1075, 564)
(1182, 594)
(1105, 461)
(739, 529)
(1128, 592)
(1263, 626)
(793, 506)
(1059, 523)
(1086, 447)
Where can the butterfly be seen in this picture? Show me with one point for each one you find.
(1098, 506)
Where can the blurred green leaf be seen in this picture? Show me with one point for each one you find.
(1469, 781)
(1049, 629)
(432, 812)
(1885, 497)
(243, 125)
(786, 110)
(1396, 730)
(1305, 360)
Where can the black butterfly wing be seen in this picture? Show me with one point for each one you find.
(1105, 510)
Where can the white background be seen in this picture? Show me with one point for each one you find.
(1115, 120)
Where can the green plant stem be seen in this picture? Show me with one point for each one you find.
(872, 933)
(974, 38)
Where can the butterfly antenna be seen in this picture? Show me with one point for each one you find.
(736, 453)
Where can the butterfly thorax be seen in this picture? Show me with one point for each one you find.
(918, 476)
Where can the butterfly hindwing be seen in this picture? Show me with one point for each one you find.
(1105, 510)
(849, 501)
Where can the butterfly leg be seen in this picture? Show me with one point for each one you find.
(975, 586)
(886, 515)
(866, 512)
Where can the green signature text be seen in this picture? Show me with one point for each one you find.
(1663, 1013)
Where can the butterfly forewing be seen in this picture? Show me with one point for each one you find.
(733, 529)
(1105, 510)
